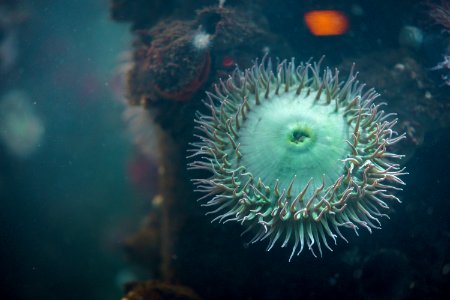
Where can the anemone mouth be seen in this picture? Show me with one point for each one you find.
(301, 135)
(296, 154)
(289, 136)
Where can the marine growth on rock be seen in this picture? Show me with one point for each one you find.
(296, 155)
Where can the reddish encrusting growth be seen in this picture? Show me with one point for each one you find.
(170, 67)
(186, 92)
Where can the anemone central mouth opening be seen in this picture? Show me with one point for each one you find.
(300, 135)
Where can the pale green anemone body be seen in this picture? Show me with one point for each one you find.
(296, 155)
(302, 138)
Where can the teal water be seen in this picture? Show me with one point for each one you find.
(67, 206)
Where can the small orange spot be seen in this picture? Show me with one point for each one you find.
(326, 22)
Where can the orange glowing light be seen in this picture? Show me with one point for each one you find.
(326, 22)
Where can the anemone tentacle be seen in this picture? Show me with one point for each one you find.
(296, 154)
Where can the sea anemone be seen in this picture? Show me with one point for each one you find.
(296, 155)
